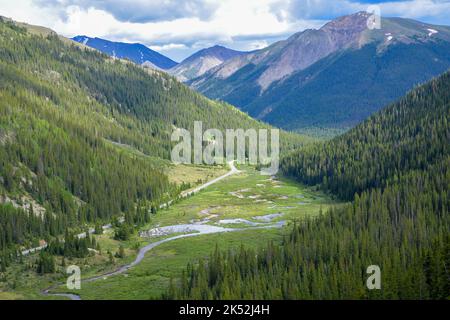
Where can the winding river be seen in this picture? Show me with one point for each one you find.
(194, 229)
(201, 230)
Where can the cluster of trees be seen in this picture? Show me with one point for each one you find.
(21, 227)
(140, 216)
(46, 263)
(73, 246)
(395, 169)
(123, 232)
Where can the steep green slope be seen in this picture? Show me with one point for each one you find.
(398, 164)
(411, 134)
(56, 171)
(132, 105)
(61, 105)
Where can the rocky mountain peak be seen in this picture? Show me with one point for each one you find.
(307, 47)
(353, 22)
(202, 61)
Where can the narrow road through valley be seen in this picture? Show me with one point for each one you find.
(233, 170)
(141, 254)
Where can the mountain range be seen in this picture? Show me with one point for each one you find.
(135, 52)
(192, 67)
(324, 79)
(333, 77)
(395, 175)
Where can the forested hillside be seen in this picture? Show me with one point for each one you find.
(395, 169)
(412, 134)
(60, 107)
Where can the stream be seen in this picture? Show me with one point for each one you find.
(198, 230)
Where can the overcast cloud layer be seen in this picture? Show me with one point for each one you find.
(179, 28)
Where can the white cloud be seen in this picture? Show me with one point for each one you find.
(180, 27)
(170, 46)
(140, 11)
(434, 11)
(229, 19)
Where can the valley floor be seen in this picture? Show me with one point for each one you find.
(243, 209)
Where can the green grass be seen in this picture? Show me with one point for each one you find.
(150, 279)
(245, 195)
(261, 196)
(178, 174)
(21, 282)
(193, 174)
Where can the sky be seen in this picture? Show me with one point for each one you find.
(178, 28)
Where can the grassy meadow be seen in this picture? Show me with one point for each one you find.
(246, 195)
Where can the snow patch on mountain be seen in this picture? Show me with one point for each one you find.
(431, 32)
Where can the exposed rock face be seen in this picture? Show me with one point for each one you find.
(6, 137)
(305, 48)
(332, 77)
(201, 62)
(150, 65)
(298, 52)
(25, 203)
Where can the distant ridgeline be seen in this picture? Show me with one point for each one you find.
(61, 107)
(395, 170)
(136, 52)
(333, 77)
